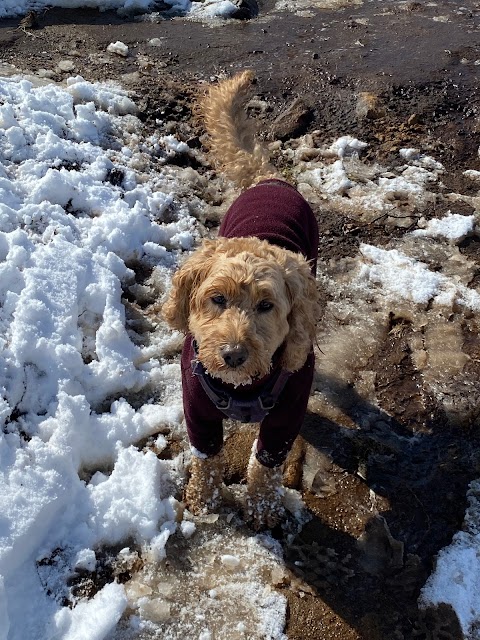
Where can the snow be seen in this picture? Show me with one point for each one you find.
(402, 277)
(230, 562)
(93, 619)
(73, 481)
(452, 227)
(79, 392)
(347, 145)
(456, 580)
(120, 48)
(207, 9)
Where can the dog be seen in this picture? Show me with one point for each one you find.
(248, 304)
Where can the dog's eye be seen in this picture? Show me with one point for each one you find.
(264, 306)
(219, 300)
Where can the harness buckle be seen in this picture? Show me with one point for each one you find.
(266, 402)
(253, 409)
(223, 403)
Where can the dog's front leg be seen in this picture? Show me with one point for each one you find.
(204, 489)
(264, 500)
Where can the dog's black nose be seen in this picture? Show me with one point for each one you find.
(234, 355)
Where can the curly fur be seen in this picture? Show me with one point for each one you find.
(242, 158)
(246, 271)
(264, 499)
(203, 493)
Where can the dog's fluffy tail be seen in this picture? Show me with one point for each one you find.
(243, 159)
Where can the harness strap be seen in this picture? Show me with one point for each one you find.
(252, 409)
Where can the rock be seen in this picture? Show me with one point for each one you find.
(318, 473)
(369, 106)
(246, 9)
(146, 63)
(46, 73)
(155, 42)
(127, 561)
(279, 576)
(292, 122)
(131, 78)
(381, 553)
(66, 65)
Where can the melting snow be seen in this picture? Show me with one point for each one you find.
(73, 480)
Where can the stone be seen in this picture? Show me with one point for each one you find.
(66, 65)
(293, 121)
(369, 106)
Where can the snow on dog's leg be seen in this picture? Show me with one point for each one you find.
(264, 500)
(204, 489)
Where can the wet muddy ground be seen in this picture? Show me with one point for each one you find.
(384, 438)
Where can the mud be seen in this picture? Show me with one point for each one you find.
(388, 434)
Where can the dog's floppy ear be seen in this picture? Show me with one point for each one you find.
(305, 311)
(193, 271)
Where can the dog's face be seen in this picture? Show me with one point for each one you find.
(241, 299)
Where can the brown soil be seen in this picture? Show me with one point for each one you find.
(405, 451)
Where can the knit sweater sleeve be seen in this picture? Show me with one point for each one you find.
(282, 425)
(202, 418)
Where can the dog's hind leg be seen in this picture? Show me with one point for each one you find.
(292, 474)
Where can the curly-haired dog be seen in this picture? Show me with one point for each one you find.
(248, 303)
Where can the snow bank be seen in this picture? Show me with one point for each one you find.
(66, 233)
(19, 7)
(205, 10)
(456, 579)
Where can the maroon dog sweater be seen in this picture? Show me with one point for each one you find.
(273, 211)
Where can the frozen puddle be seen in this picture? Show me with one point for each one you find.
(214, 583)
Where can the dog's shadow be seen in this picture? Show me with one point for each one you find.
(383, 501)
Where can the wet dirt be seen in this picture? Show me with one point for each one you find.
(393, 74)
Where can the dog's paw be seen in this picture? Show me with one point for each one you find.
(264, 499)
(202, 500)
(265, 511)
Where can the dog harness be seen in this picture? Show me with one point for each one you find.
(274, 211)
(250, 408)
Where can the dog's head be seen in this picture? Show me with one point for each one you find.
(241, 299)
